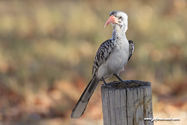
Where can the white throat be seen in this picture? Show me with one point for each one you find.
(119, 32)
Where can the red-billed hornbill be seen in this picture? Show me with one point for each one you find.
(110, 58)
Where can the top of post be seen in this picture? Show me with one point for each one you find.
(126, 84)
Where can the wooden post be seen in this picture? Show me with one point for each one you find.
(127, 103)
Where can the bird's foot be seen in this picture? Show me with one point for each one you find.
(118, 77)
(105, 82)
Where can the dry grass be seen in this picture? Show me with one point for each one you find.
(47, 49)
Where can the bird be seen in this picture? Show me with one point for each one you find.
(110, 59)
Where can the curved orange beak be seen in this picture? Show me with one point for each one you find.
(111, 19)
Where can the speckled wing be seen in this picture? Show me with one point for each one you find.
(131, 48)
(102, 54)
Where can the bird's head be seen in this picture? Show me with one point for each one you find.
(118, 19)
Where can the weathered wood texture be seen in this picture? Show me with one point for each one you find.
(127, 103)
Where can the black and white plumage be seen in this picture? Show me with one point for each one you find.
(110, 58)
(131, 48)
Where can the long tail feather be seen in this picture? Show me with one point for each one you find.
(84, 99)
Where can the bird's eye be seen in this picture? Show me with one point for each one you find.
(120, 17)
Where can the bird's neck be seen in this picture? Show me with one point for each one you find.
(118, 33)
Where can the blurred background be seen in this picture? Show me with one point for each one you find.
(47, 50)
